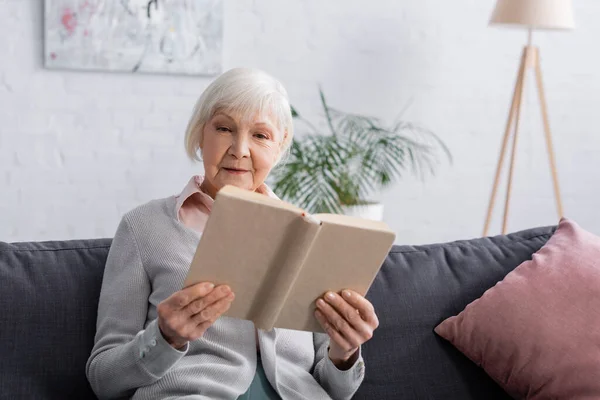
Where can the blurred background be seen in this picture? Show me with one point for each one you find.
(83, 139)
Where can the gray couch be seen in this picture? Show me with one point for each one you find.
(49, 294)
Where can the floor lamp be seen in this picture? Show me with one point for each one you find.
(528, 14)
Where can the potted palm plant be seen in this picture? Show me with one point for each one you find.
(339, 171)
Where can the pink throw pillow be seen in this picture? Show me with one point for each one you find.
(537, 332)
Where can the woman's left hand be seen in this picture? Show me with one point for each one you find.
(349, 320)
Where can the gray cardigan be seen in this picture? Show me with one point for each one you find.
(147, 262)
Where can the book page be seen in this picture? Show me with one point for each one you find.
(342, 257)
(232, 191)
(352, 221)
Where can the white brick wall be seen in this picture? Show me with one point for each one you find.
(78, 149)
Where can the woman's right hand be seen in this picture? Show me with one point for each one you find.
(187, 314)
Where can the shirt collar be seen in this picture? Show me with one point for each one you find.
(193, 188)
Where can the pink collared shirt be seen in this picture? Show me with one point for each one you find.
(193, 205)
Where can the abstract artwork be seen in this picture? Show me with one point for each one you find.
(158, 36)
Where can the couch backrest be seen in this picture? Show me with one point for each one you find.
(49, 297)
(417, 288)
(48, 304)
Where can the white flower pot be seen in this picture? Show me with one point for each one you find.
(373, 211)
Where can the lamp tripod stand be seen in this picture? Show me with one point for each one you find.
(530, 60)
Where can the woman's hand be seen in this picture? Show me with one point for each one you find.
(349, 320)
(187, 314)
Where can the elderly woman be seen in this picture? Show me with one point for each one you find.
(157, 340)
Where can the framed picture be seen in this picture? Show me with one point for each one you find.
(154, 36)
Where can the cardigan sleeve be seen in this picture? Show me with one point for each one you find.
(340, 385)
(126, 354)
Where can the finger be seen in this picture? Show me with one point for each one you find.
(350, 314)
(333, 334)
(262, 189)
(182, 298)
(364, 306)
(349, 333)
(201, 303)
(200, 329)
(211, 313)
(197, 331)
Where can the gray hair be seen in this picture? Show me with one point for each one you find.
(241, 91)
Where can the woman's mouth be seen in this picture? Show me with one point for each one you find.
(235, 171)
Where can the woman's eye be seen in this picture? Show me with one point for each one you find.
(261, 136)
(223, 129)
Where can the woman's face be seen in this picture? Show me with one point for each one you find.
(237, 152)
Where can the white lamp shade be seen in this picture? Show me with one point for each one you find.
(535, 14)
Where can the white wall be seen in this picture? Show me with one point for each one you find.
(78, 149)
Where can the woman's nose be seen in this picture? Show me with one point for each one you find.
(240, 147)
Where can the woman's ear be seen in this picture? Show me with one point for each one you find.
(285, 136)
(278, 156)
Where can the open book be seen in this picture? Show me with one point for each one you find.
(279, 260)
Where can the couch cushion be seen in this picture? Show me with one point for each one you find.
(417, 288)
(48, 303)
(536, 332)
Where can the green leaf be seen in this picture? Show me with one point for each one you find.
(362, 155)
(294, 112)
(327, 112)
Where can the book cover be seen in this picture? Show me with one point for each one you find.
(278, 259)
